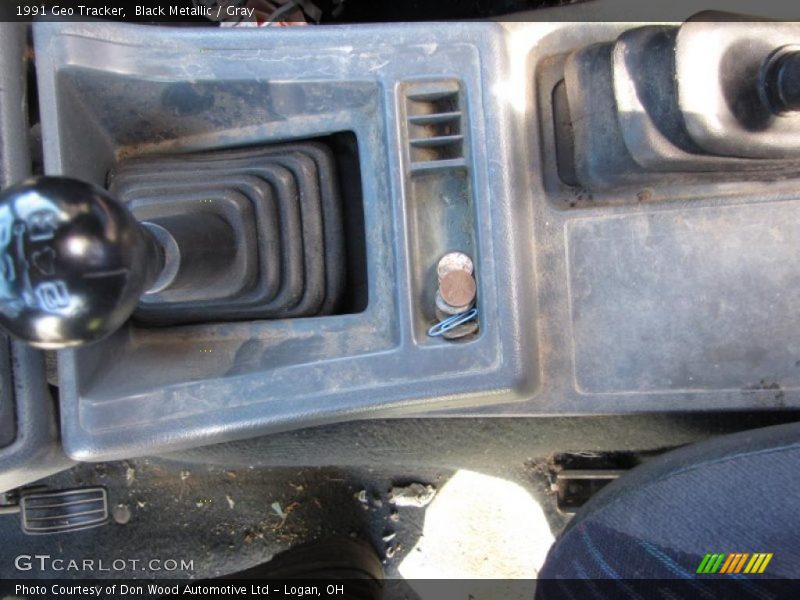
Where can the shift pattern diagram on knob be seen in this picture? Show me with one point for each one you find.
(73, 262)
(29, 260)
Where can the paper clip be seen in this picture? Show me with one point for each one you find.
(452, 322)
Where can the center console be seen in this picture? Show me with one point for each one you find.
(627, 201)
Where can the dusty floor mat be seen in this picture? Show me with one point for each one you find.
(220, 520)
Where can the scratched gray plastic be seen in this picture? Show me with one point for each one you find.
(178, 90)
(555, 335)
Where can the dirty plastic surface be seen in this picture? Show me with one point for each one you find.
(666, 298)
(111, 91)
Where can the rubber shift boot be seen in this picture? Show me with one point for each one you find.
(260, 183)
(275, 231)
(313, 166)
(333, 222)
(307, 176)
(237, 210)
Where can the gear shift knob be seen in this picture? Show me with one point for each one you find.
(73, 262)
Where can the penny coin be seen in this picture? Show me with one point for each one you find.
(458, 288)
